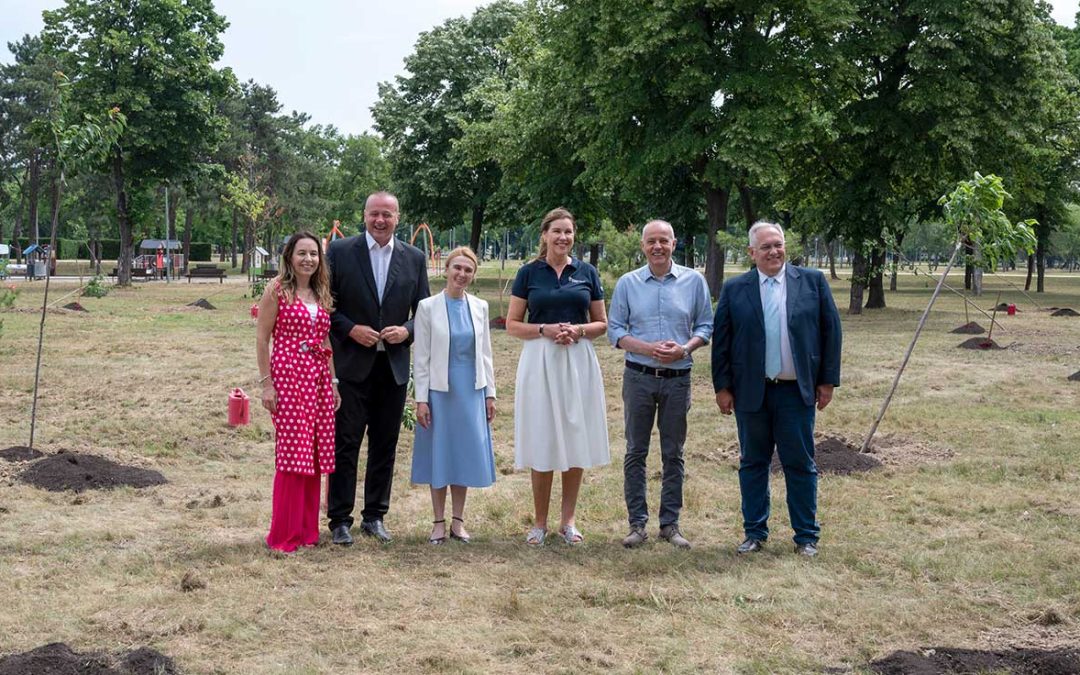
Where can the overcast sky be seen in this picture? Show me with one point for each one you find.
(323, 57)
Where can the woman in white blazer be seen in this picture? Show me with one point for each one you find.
(454, 378)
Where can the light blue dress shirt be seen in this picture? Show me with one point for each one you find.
(787, 363)
(676, 307)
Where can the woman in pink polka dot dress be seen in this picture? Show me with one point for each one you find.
(298, 388)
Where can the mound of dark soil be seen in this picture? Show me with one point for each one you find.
(1015, 661)
(75, 307)
(58, 659)
(1075, 377)
(202, 303)
(1002, 307)
(834, 455)
(970, 328)
(78, 472)
(979, 343)
(1065, 311)
(20, 453)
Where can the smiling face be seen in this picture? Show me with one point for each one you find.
(305, 258)
(460, 272)
(559, 237)
(657, 243)
(767, 251)
(381, 216)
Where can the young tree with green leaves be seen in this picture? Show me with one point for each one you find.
(154, 60)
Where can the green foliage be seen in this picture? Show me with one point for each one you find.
(95, 289)
(973, 211)
(258, 287)
(201, 250)
(622, 251)
(455, 74)
(7, 299)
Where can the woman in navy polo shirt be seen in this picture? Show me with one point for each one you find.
(560, 418)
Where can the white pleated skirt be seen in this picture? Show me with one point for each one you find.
(560, 416)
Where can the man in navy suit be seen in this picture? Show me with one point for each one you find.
(775, 354)
(377, 282)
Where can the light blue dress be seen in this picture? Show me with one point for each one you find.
(456, 447)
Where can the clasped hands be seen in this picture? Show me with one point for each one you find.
(565, 333)
(369, 337)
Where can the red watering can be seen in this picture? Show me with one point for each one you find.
(255, 311)
(239, 408)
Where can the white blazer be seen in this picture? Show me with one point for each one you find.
(431, 346)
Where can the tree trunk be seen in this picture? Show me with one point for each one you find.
(1030, 271)
(123, 219)
(875, 299)
(189, 223)
(716, 207)
(249, 242)
(594, 254)
(688, 253)
(54, 221)
(892, 276)
(17, 230)
(830, 251)
(858, 279)
(1040, 262)
(478, 228)
(34, 187)
(235, 235)
(746, 201)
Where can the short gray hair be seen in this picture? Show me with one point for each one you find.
(657, 221)
(761, 225)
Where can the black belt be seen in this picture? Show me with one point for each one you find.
(658, 372)
(779, 381)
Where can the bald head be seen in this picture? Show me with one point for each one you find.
(658, 243)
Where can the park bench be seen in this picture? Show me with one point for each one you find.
(136, 273)
(206, 272)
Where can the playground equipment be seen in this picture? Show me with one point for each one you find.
(335, 233)
(434, 256)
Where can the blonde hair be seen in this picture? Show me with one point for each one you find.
(559, 213)
(320, 280)
(466, 252)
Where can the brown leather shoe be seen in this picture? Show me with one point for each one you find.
(671, 533)
(636, 538)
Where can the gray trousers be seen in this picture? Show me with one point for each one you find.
(666, 400)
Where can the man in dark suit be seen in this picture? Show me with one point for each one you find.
(377, 282)
(775, 354)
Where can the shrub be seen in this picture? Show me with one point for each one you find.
(95, 289)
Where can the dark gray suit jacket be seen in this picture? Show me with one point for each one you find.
(356, 301)
(738, 348)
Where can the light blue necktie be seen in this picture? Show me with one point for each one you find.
(772, 328)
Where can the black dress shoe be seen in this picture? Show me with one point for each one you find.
(751, 545)
(375, 528)
(340, 535)
(809, 550)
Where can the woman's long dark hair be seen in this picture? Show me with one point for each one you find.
(320, 280)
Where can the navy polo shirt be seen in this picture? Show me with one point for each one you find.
(563, 299)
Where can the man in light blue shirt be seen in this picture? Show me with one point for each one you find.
(659, 315)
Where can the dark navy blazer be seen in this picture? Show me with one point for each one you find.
(738, 348)
(352, 283)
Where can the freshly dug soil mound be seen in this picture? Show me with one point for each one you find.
(78, 472)
(1015, 661)
(834, 455)
(201, 303)
(1065, 311)
(1075, 377)
(20, 453)
(75, 307)
(1002, 307)
(970, 328)
(58, 659)
(979, 343)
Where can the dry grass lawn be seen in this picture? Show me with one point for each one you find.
(973, 543)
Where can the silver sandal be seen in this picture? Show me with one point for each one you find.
(535, 537)
(571, 535)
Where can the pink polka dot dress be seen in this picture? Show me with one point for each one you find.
(299, 367)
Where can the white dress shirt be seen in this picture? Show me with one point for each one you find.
(380, 262)
(787, 364)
